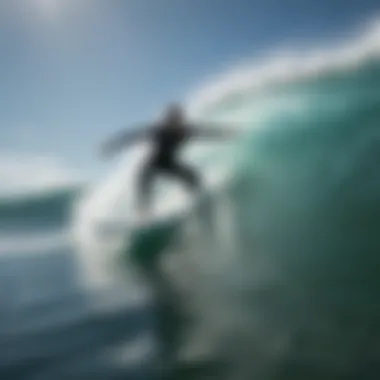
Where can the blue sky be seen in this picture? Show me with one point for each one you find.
(73, 71)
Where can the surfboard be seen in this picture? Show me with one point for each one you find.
(149, 239)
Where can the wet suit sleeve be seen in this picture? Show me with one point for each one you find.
(124, 138)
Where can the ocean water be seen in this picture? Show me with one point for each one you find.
(280, 272)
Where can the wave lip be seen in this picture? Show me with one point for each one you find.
(286, 66)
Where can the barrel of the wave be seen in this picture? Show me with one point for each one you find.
(306, 285)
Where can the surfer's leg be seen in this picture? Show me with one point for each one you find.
(204, 217)
(144, 187)
(188, 175)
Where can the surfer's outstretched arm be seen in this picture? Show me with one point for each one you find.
(124, 138)
(213, 131)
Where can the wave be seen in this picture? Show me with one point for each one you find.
(295, 90)
(289, 269)
(39, 210)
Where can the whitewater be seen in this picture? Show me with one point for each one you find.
(285, 286)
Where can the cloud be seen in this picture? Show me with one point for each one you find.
(25, 173)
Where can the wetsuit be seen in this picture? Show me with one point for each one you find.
(167, 142)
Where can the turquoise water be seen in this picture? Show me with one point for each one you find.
(307, 209)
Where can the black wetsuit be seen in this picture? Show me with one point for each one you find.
(167, 142)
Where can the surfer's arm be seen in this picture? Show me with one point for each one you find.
(124, 138)
(212, 131)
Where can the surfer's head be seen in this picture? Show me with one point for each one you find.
(174, 115)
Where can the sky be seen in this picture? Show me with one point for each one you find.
(74, 71)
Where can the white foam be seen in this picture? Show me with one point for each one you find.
(286, 66)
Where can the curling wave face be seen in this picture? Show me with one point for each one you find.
(292, 288)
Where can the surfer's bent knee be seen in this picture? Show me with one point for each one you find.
(144, 184)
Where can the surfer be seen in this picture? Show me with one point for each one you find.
(168, 135)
